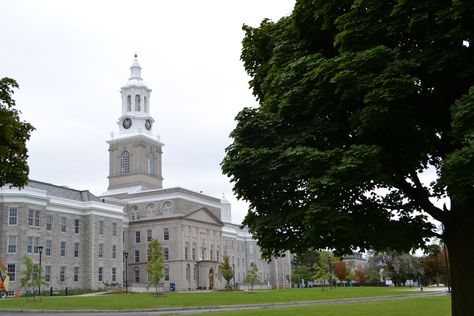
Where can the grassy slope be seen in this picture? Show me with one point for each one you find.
(146, 301)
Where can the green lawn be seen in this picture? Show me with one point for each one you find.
(147, 301)
(422, 306)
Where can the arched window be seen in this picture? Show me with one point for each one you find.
(167, 207)
(137, 103)
(188, 273)
(151, 164)
(145, 103)
(194, 251)
(186, 249)
(129, 103)
(217, 253)
(125, 162)
(134, 215)
(150, 211)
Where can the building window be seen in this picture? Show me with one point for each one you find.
(37, 243)
(166, 234)
(76, 226)
(30, 217)
(203, 252)
(166, 253)
(13, 216)
(217, 254)
(76, 249)
(188, 272)
(62, 273)
(47, 273)
(124, 237)
(101, 250)
(11, 271)
(114, 274)
(167, 208)
(63, 224)
(129, 103)
(137, 103)
(125, 162)
(49, 245)
(29, 244)
(137, 275)
(134, 215)
(137, 256)
(212, 252)
(186, 249)
(11, 244)
(114, 229)
(37, 218)
(63, 249)
(145, 104)
(49, 222)
(194, 273)
(76, 274)
(194, 251)
(114, 251)
(167, 272)
(137, 237)
(151, 164)
(101, 274)
(149, 235)
(101, 227)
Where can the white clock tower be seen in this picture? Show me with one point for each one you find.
(135, 155)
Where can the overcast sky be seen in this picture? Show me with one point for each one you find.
(70, 59)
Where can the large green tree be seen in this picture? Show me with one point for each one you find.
(359, 102)
(13, 136)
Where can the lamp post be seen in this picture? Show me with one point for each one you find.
(233, 277)
(125, 254)
(40, 249)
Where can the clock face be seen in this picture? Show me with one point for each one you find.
(148, 124)
(127, 123)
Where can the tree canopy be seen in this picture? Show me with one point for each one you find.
(13, 136)
(359, 103)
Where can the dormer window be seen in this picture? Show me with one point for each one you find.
(125, 162)
(137, 103)
(129, 103)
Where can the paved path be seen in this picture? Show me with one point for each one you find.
(207, 309)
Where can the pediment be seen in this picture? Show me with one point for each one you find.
(203, 214)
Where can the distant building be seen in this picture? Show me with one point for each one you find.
(85, 237)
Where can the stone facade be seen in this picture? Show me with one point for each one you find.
(194, 229)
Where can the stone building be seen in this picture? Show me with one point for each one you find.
(194, 229)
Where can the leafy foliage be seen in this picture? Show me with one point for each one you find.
(13, 136)
(155, 264)
(324, 268)
(32, 277)
(358, 101)
(341, 272)
(227, 271)
(252, 276)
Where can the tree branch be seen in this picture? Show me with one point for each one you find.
(420, 196)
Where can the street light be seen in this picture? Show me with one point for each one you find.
(233, 277)
(125, 254)
(40, 249)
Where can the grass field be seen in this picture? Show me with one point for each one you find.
(422, 306)
(149, 301)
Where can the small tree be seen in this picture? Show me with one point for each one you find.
(155, 263)
(324, 268)
(252, 276)
(32, 276)
(340, 271)
(300, 273)
(360, 275)
(227, 271)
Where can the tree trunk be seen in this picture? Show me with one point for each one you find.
(459, 237)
